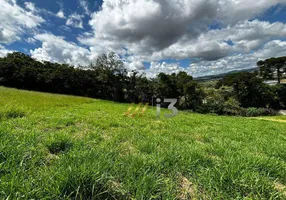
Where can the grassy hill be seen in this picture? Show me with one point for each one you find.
(65, 147)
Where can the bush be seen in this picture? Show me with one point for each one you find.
(281, 90)
(254, 112)
(232, 107)
(213, 102)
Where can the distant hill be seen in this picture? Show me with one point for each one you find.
(219, 76)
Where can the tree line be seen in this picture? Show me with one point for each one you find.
(105, 79)
(108, 79)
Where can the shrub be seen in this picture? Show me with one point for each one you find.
(232, 107)
(254, 112)
(213, 103)
(281, 90)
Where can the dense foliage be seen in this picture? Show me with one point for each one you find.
(241, 93)
(105, 79)
(273, 68)
(251, 91)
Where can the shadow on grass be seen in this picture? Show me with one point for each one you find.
(90, 187)
(60, 146)
(11, 114)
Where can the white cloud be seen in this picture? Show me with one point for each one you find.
(31, 40)
(30, 6)
(150, 26)
(233, 11)
(60, 3)
(64, 28)
(155, 30)
(246, 36)
(37, 11)
(179, 29)
(137, 66)
(16, 20)
(75, 20)
(212, 47)
(61, 14)
(56, 49)
(84, 5)
(275, 48)
(156, 68)
(239, 61)
(4, 51)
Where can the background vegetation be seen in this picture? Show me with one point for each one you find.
(241, 93)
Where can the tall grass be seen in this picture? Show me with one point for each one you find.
(64, 147)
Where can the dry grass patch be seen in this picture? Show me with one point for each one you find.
(199, 139)
(273, 120)
(280, 187)
(127, 148)
(187, 189)
(84, 130)
(215, 157)
(51, 158)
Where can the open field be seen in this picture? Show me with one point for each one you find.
(65, 147)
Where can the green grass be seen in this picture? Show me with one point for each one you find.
(65, 147)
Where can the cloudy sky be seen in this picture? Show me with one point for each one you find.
(201, 37)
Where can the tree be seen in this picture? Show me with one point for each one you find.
(111, 76)
(273, 67)
(180, 86)
(249, 89)
(189, 91)
(166, 86)
(281, 93)
(138, 88)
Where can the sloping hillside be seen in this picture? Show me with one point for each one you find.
(62, 147)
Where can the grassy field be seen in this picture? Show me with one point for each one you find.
(64, 147)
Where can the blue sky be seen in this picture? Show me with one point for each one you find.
(152, 36)
(54, 24)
